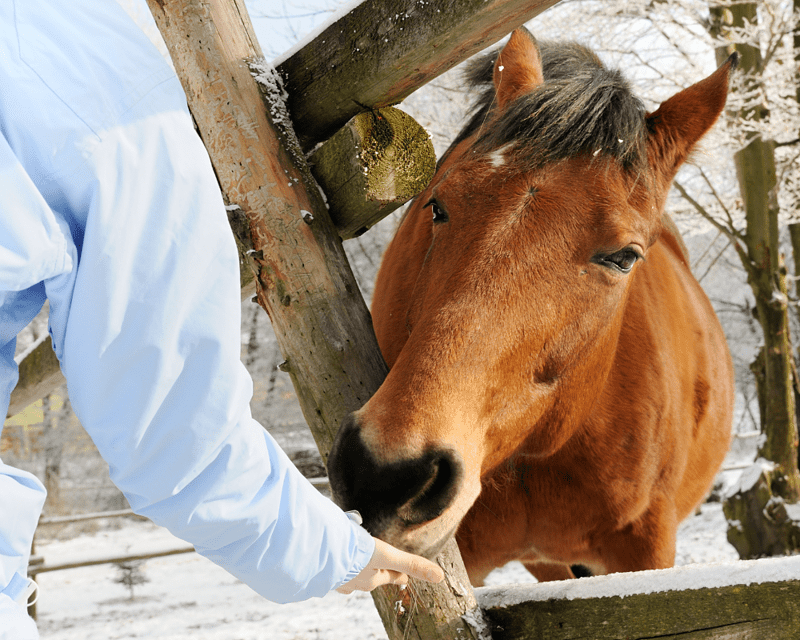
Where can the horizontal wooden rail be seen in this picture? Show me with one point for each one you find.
(38, 566)
(735, 601)
(81, 517)
(381, 51)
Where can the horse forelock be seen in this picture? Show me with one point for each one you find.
(581, 108)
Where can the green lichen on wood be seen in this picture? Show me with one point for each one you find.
(378, 161)
(396, 153)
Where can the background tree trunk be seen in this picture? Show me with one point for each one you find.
(794, 228)
(754, 529)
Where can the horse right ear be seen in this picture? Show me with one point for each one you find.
(518, 68)
(679, 123)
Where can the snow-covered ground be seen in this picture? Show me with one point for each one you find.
(189, 597)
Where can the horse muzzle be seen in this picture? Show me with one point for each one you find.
(399, 499)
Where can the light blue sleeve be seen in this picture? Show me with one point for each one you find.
(33, 245)
(147, 326)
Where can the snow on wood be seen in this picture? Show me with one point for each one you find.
(757, 598)
(696, 576)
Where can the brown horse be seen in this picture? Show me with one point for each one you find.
(560, 389)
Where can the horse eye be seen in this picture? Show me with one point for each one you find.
(621, 260)
(439, 214)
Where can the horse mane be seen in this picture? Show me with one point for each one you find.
(582, 107)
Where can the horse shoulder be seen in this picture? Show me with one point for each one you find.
(682, 380)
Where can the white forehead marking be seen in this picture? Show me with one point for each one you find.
(497, 157)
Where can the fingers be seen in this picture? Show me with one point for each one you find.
(388, 557)
(370, 579)
(389, 565)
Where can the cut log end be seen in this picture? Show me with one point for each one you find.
(396, 154)
(378, 161)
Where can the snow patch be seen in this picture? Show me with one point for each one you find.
(749, 477)
(340, 13)
(276, 96)
(793, 511)
(475, 619)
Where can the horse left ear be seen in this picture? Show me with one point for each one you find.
(518, 68)
(679, 123)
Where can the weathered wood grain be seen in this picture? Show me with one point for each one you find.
(384, 50)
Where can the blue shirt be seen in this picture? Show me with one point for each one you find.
(110, 210)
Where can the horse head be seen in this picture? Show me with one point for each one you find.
(499, 303)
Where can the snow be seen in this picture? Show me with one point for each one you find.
(188, 596)
(750, 476)
(715, 575)
(342, 11)
(476, 620)
(793, 511)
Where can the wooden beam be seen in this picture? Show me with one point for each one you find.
(383, 50)
(738, 600)
(304, 280)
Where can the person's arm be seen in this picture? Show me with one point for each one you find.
(147, 326)
(150, 350)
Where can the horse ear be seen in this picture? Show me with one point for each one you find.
(518, 68)
(679, 123)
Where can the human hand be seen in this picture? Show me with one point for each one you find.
(389, 565)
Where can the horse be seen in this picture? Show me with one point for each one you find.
(560, 390)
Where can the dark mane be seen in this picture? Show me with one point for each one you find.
(581, 107)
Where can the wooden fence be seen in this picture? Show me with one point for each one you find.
(746, 600)
(38, 565)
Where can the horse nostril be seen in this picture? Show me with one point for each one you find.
(436, 492)
(414, 490)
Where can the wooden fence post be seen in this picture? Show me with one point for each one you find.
(304, 281)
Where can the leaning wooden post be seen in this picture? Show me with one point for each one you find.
(304, 281)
